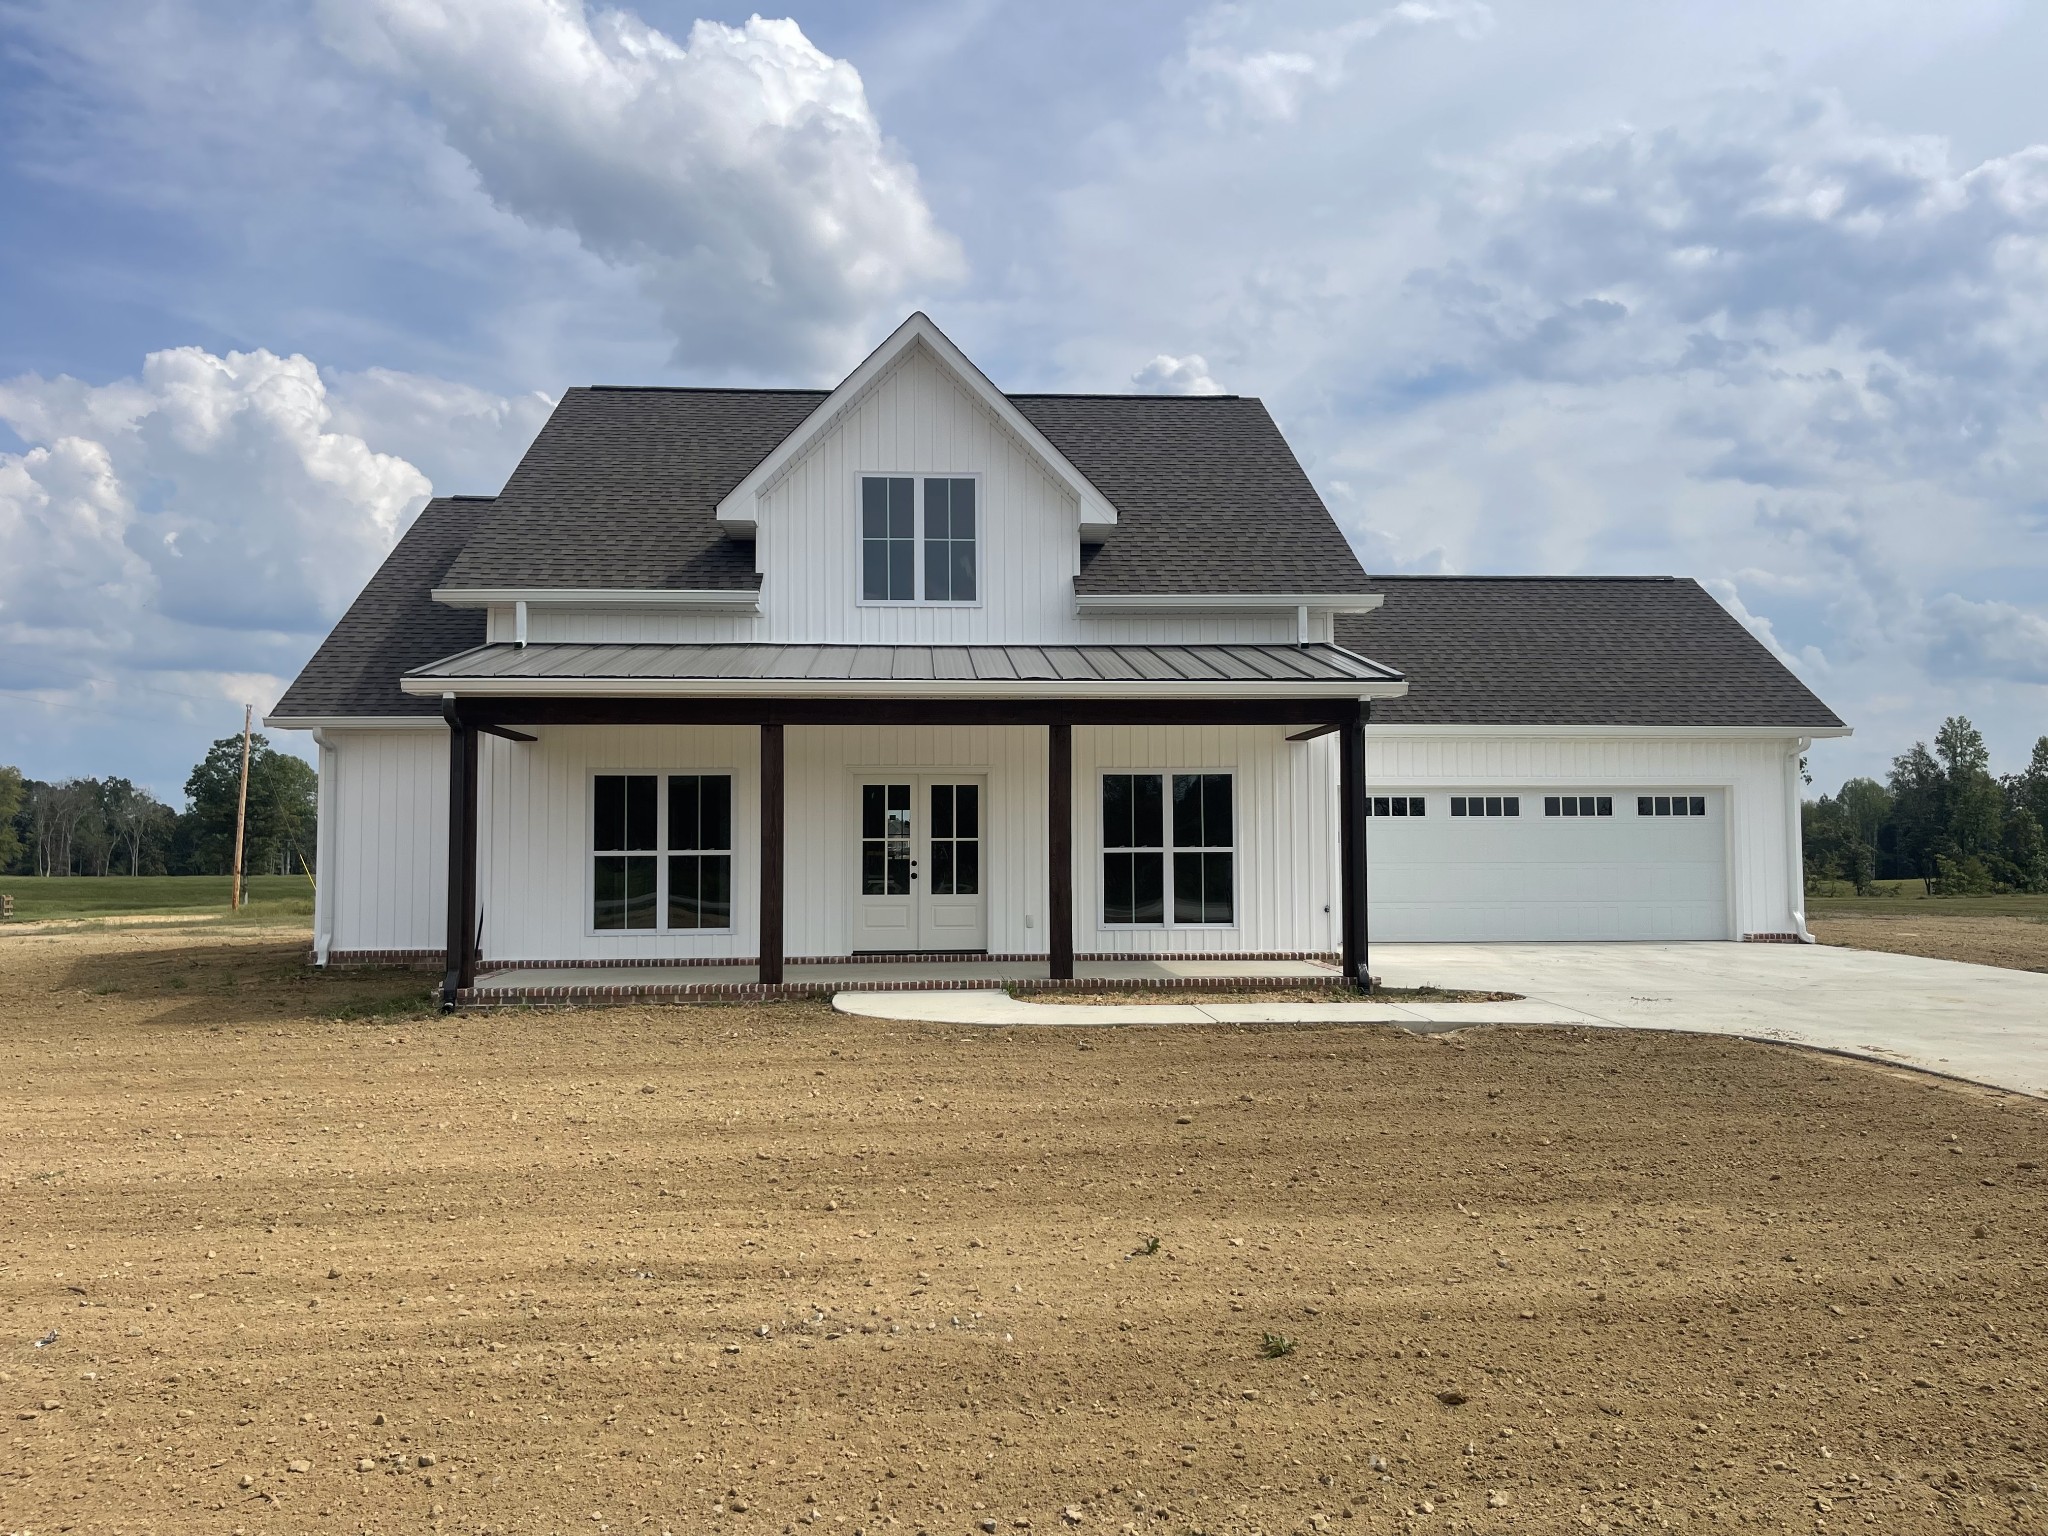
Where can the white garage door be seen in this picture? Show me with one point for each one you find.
(1624, 864)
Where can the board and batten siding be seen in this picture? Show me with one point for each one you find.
(383, 881)
(1761, 865)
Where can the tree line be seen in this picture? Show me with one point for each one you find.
(112, 827)
(1939, 816)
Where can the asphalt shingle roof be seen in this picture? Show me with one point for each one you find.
(1545, 650)
(395, 625)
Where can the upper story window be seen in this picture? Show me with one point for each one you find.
(896, 565)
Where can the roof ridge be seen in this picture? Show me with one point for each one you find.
(1460, 576)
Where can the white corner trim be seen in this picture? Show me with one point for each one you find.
(1088, 604)
(723, 599)
(881, 688)
(1795, 833)
(736, 512)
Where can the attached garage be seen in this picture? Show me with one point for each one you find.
(1504, 864)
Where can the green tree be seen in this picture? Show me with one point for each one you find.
(12, 789)
(2025, 861)
(281, 809)
(1916, 792)
(1973, 805)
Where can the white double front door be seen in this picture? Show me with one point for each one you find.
(920, 876)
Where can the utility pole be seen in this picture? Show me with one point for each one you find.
(241, 809)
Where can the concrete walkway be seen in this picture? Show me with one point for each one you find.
(1969, 1021)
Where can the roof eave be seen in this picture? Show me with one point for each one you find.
(1209, 602)
(717, 598)
(888, 688)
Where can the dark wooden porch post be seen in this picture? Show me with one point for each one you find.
(462, 755)
(1351, 789)
(1059, 850)
(771, 855)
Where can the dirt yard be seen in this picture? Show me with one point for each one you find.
(306, 1262)
(2016, 942)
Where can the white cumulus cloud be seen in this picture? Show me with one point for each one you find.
(741, 172)
(1166, 375)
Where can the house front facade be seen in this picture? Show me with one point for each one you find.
(912, 667)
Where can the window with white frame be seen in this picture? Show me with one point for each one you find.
(1578, 805)
(897, 562)
(660, 860)
(1156, 823)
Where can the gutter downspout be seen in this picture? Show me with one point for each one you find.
(323, 848)
(1795, 831)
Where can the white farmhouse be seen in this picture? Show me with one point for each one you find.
(730, 681)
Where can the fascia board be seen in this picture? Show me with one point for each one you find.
(1413, 731)
(354, 723)
(737, 508)
(880, 688)
(600, 597)
(1211, 602)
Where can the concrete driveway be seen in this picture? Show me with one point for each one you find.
(1969, 1021)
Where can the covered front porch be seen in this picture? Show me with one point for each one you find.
(540, 736)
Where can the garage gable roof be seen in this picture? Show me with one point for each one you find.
(1575, 651)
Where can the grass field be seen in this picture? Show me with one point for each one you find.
(2006, 931)
(308, 1258)
(272, 898)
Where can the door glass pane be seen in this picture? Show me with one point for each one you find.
(873, 800)
(885, 840)
(942, 867)
(966, 868)
(942, 810)
(967, 810)
(874, 877)
(899, 868)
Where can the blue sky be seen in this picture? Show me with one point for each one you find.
(1754, 292)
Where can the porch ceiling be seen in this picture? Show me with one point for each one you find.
(1137, 671)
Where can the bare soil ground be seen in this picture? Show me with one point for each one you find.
(307, 1263)
(2018, 943)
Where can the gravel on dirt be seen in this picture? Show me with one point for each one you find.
(302, 1258)
(2014, 943)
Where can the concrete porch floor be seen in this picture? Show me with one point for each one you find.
(881, 973)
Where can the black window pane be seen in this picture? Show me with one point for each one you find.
(610, 804)
(873, 800)
(899, 868)
(1457, 805)
(963, 572)
(874, 508)
(874, 874)
(1187, 888)
(1118, 902)
(1605, 805)
(715, 817)
(937, 571)
(1415, 806)
(902, 560)
(1493, 805)
(608, 893)
(640, 811)
(936, 523)
(1699, 805)
(1663, 805)
(1400, 806)
(901, 510)
(1187, 810)
(1116, 812)
(1644, 806)
(640, 911)
(1148, 886)
(1551, 806)
(683, 907)
(874, 571)
(966, 869)
(1571, 805)
(963, 509)
(967, 810)
(683, 829)
(714, 900)
(942, 869)
(1512, 806)
(1216, 887)
(1381, 806)
(1148, 810)
(942, 810)
(1216, 817)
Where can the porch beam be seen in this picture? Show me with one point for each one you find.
(462, 797)
(1351, 788)
(772, 839)
(491, 712)
(1059, 850)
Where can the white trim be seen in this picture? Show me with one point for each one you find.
(1652, 732)
(323, 848)
(885, 688)
(1233, 602)
(1795, 831)
(356, 722)
(719, 598)
(738, 510)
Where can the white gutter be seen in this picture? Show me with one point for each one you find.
(890, 688)
(717, 598)
(1088, 603)
(1796, 831)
